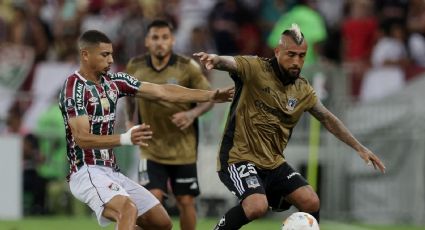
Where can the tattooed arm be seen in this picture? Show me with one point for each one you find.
(338, 129)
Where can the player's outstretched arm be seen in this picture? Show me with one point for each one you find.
(84, 139)
(179, 94)
(213, 61)
(337, 128)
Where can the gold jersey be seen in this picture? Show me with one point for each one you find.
(266, 107)
(169, 144)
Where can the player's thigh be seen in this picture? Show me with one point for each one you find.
(153, 175)
(304, 198)
(119, 204)
(141, 197)
(184, 180)
(281, 185)
(96, 186)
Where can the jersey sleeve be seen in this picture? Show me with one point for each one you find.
(311, 97)
(71, 100)
(246, 66)
(126, 84)
(197, 78)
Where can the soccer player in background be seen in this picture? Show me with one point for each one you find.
(172, 153)
(88, 105)
(269, 100)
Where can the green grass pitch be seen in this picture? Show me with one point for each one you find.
(84, 223)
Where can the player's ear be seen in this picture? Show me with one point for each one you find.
(84, 54)
(277, 52)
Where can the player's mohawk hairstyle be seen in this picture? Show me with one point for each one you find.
(295, 33)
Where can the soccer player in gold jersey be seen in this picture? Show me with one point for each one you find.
(172, 152)
(270, 98)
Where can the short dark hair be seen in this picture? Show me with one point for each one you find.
(160, 23)
(92, 37)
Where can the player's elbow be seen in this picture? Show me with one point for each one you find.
(80, 139)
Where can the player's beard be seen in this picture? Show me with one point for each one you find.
(293, 73)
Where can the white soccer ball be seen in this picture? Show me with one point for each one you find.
(300, 221)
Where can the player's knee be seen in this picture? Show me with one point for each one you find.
(255, 208)
(311, 204)
(127, 208)
(185, 201)
(165, 224)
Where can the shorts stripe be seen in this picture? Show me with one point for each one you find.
(143, 165)
(236, 180)
(97, 191)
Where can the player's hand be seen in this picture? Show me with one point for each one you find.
(183, 119)
(140, 134)
(372, 159)
(208, 60)
(223, 94)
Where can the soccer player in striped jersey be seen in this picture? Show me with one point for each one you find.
(270, 98)
(88, 104)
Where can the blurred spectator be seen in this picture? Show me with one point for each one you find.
(131, 34)
(310, 22)
(391, 9)
(389, 58)
(416, 26)
(192, 14)
(271, 10)
(14, 120)
(51, 133)
(34, 185)
(26, 28)
(358, 34)
(248, 38)
(223, 21)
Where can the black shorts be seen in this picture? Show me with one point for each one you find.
(244, 179)
(183, 178)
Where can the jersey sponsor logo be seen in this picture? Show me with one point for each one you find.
(252, 182)
(79, 96)
(105, 118)
(194, 185)
(129, 78)
(69, 103)
(292, 174)
(292, 102)
(266, 90)
(276, 112)
(94, 101)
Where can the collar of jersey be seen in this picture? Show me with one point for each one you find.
(280, 75)
(172, 61)
(102, 79)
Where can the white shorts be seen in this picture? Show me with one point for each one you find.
(97, 185)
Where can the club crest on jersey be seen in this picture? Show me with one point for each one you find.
(252, 182)
(112, 95)
(114, 187)
(292, 102)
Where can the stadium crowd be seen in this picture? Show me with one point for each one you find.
(380, 45)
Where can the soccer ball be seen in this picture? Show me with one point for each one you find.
(300, 221)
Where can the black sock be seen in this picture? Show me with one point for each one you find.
(234, 219)
(316, 215)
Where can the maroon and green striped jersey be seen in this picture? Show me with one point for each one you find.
(80, 97)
